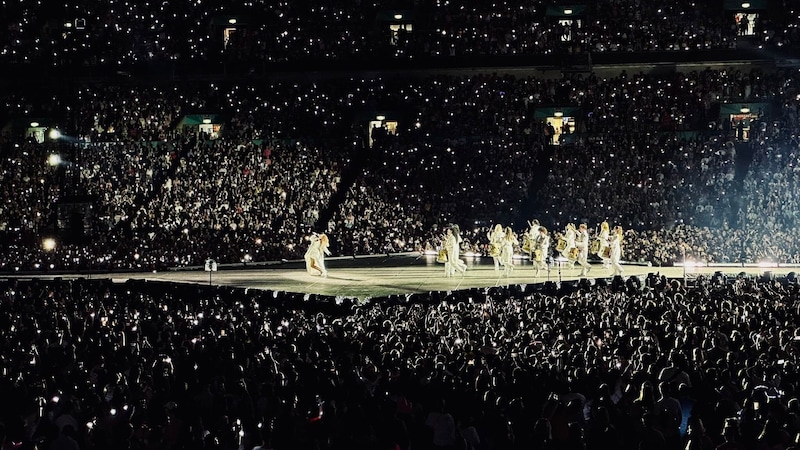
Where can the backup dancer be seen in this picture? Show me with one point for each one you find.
(582, 243)
(452, 243)
(569, 236)
(541, 251)
(507, 253)
(603, 251)
(615, 242)
(496, 236)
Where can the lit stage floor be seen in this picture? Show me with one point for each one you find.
(398, 274)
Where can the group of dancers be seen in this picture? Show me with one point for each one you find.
(573, 247)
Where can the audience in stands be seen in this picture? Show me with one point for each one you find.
(669, 170)
(124, 34)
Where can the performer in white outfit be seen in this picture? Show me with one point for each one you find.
(507, 253)
(582, 242)
(452, 243)
(615, 242)
(603, 238)
(495, 237)
(541, 252)
(530, 237)
(568, 252)
(315, 255)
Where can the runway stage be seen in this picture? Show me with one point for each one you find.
(382, 275)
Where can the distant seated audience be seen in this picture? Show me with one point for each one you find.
(126, 34)
(132, 186)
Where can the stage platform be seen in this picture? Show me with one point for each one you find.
(397, 274)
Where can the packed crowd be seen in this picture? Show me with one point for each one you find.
(398, 204)
(122, 33)
(647, 165)
(95, 364)
(629, 364)
(293, 158)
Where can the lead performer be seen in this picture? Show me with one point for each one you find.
(541, 252)
(315, 254)
(452, 243)
(582, 243)
(495, 237)
(615, 242)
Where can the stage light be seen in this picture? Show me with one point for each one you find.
(54, 134)
(54, 160)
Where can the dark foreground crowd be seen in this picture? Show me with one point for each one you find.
(629, 364)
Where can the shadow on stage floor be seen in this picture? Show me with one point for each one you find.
(398, 274)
